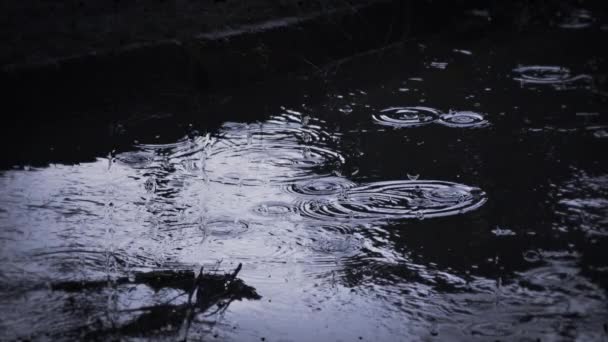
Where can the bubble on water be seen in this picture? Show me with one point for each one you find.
(557, 76)
(320, 186)
(398, 200)
(462, 119)
(406, 116)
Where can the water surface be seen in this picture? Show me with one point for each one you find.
(444, 189)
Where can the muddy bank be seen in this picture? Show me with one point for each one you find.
(100, 56)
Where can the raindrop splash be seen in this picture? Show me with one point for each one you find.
(320, 186)
(462, 119)
(406, 116)
(557, 76)
(274, 209)
(398, 200)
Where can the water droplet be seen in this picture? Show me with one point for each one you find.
(204, 157)
(305, 120)
(413, 177)
(110, 160)
(249, 135)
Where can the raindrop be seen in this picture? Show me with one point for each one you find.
(249, 136)
(413, 177)
(204, 157)
(110, 159)
(305, 120)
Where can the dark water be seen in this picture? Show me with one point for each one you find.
(450, 188)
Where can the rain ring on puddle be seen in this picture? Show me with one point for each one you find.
(462, 119)
(406, 116)
(397, 200)
(320, 186)
(551, 75)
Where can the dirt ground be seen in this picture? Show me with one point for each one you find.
(38, 31)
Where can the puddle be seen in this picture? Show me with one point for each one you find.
(395, 198)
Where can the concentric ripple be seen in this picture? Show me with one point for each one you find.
(334, 245)
(551, 75)
(274, 209)
(289, 126)
(258, 163)
(406, 116)
(320, 186)
(397, 200)
(226, 227)
(462, 119)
